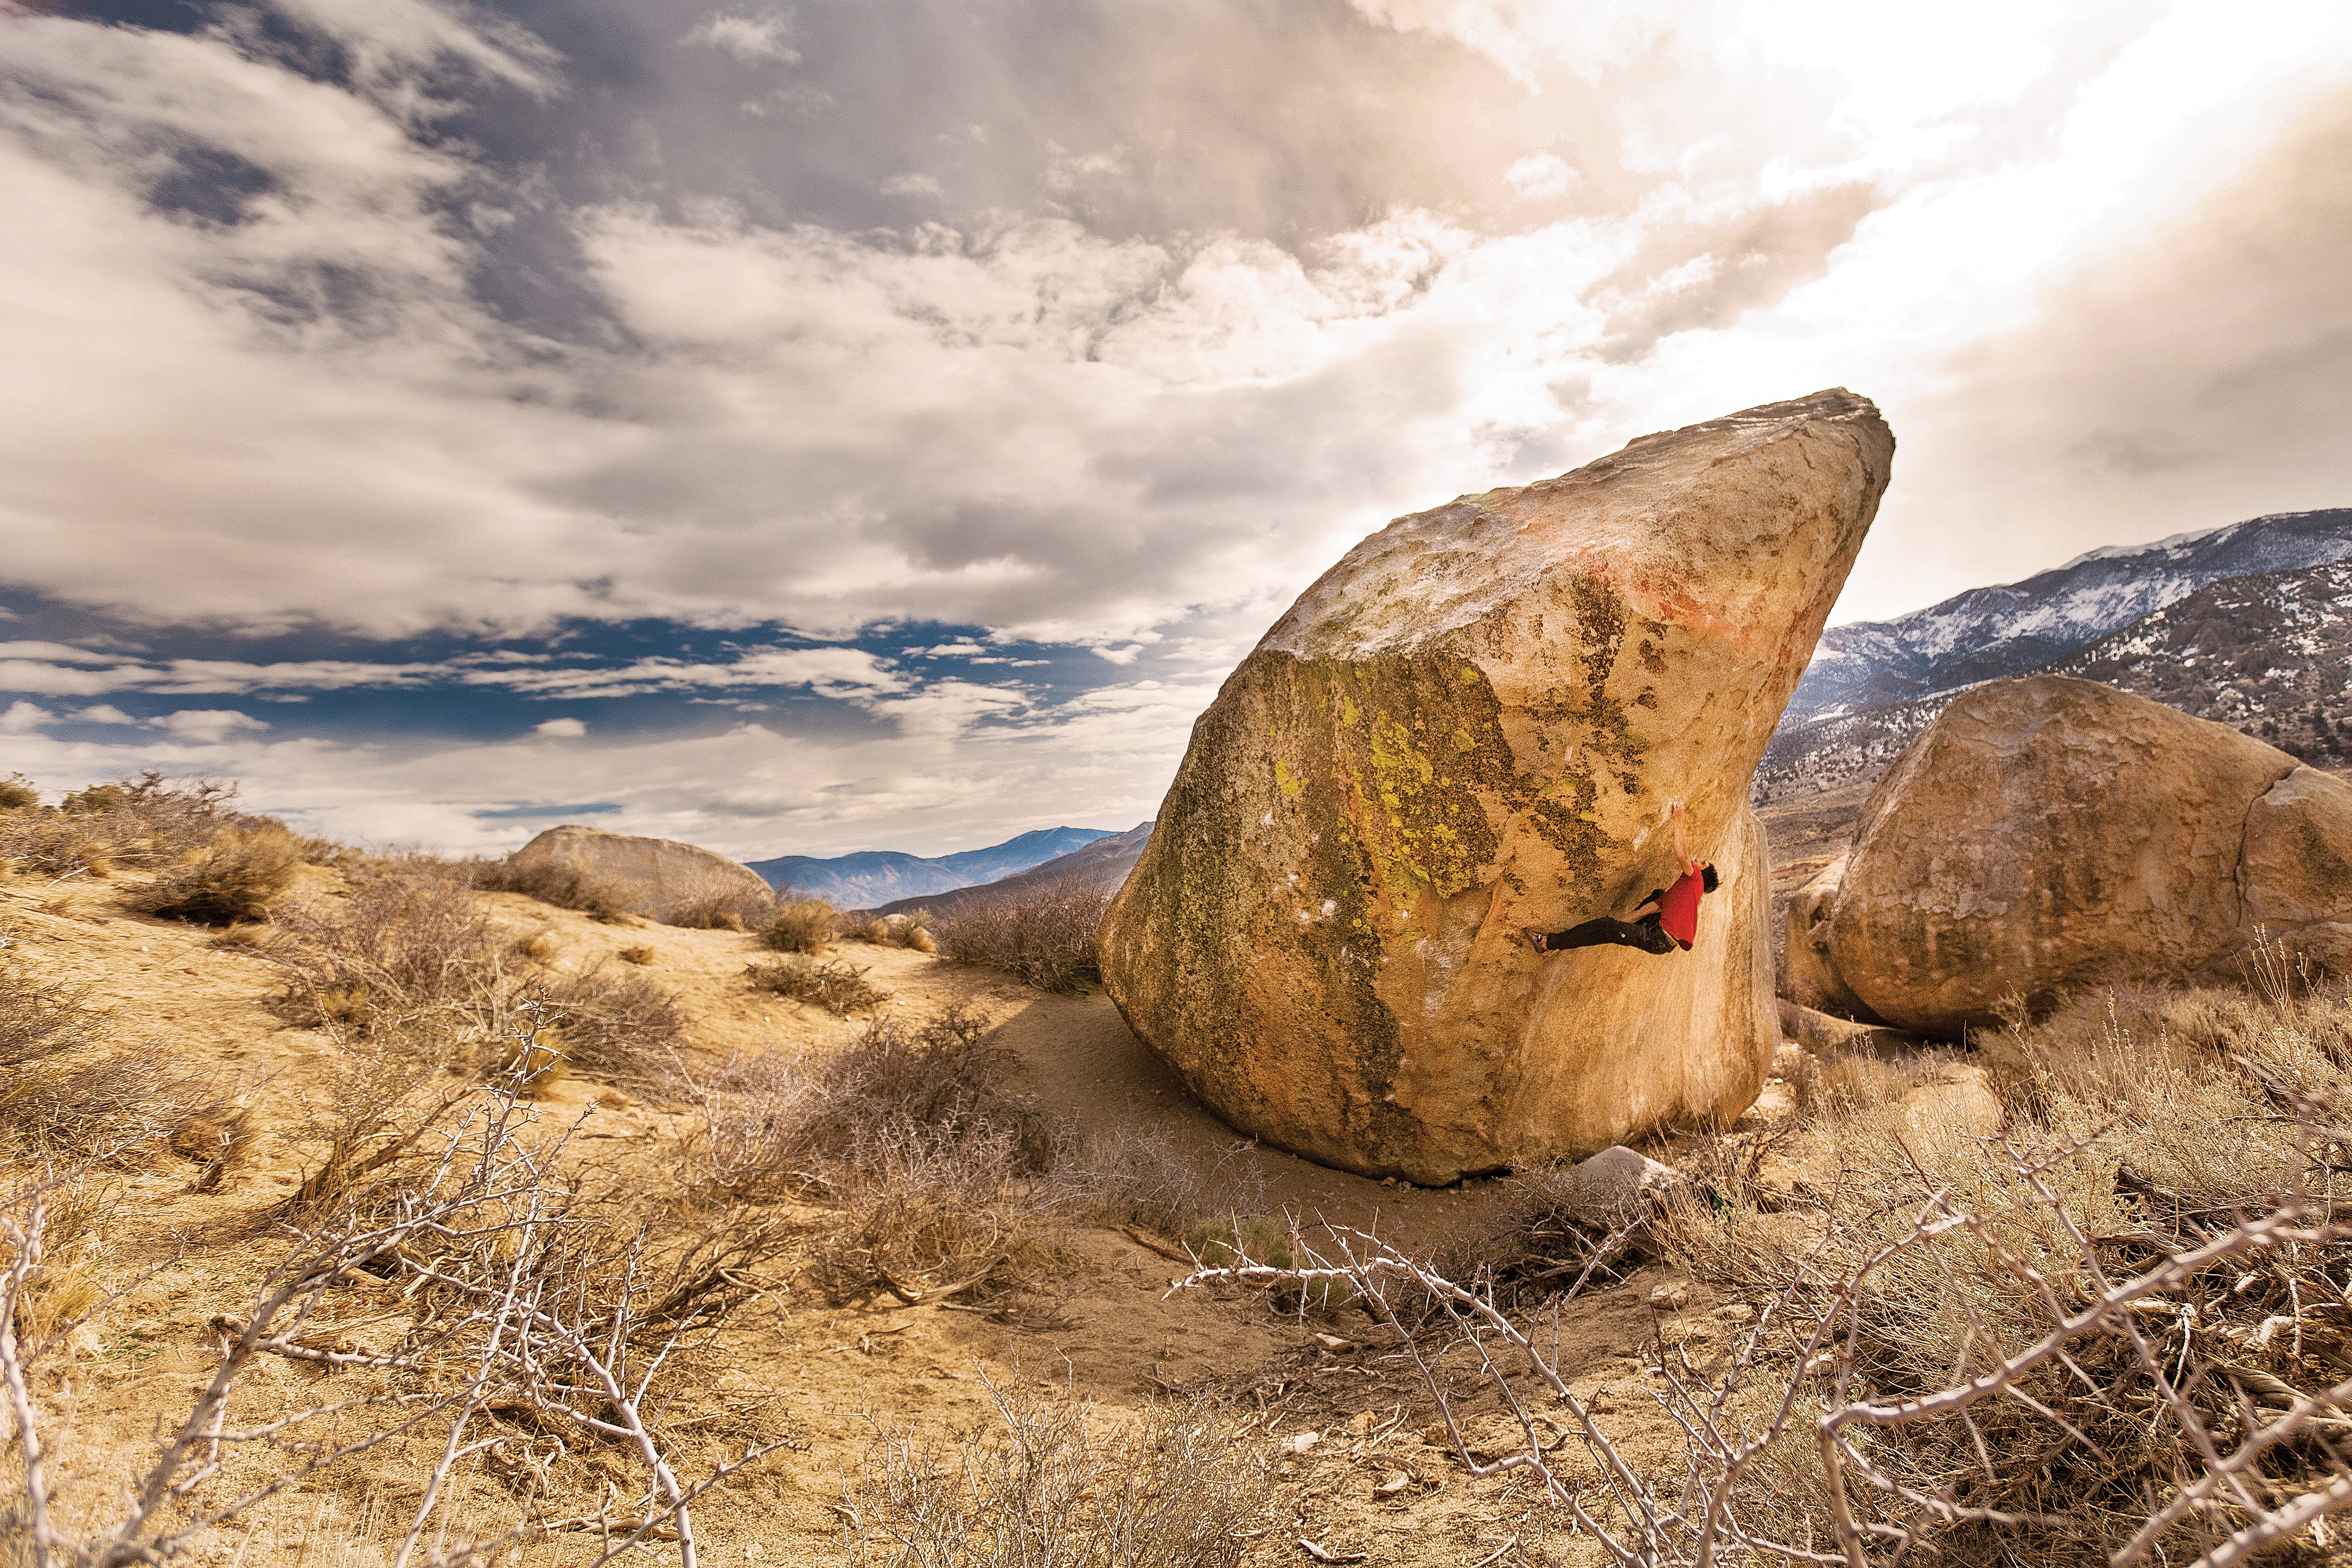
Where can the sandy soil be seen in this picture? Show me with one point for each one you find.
(1109, 1332)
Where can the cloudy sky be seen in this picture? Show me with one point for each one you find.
(807, 428)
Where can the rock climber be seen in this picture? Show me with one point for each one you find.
(1673, 923)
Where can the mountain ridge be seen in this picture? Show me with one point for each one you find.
(2010, 628)
(1106, 861)
(872, 876)
(2268, 654)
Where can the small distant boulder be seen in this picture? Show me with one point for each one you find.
(1619, 1186)
(658, 877)
(2050, 835)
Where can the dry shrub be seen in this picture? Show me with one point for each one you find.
(598, 898)
(17, 792)
(235, 878)
(123, 1107)
(779, 1125)
(146, 821)
(386, 1094)
(909, 1131)
(1052, 1484)
(1045, 939)
(799, 925)
(40, 1018)
(69, 1091)
(912, 930)
(535, 1381)
(1141, 1176)
(621, 1029)
(2153, 1127)
(640, 955)
(930, 1211)
(538, 946)
(405, 939)
(729, 909)
(838, 987)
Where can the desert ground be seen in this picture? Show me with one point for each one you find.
(832, 1379)
(879, 1334)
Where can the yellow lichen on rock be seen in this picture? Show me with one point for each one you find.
(1436, 746)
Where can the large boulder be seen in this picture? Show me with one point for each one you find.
(656, 877)
(1472, 723)
(2049, 835)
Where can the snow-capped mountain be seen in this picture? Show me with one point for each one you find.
(1986, 633)
(2269, 655)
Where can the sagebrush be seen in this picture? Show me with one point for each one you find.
(1045, 938)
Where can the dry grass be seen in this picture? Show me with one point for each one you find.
(1045, 939)
(1050, 1483)
(908, 1131)
(598, 898)
(17, 792)
(71, 1092)
(1844, 1079)
(734, 909)
(146, 821)
(621, 1029)
(799, 925)
(840, 988)
(235, 878)
(405, 940)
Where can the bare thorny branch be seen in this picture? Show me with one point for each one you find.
(517, 1300)
(1798, 1382)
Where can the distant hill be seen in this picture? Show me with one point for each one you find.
(2269, 655)
(874, 874)
(1988, 633)
(1106, 861)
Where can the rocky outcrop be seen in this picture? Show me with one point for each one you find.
(1812, 980)
(1816, 1031)
(1472, 723)
(655, 877)
(2050, 835)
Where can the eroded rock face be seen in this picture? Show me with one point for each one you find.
(1812, 978)
(2049, 835)
(1474, 723)
(655, 877)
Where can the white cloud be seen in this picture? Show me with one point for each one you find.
(561, 729)
(752, 39)
(954, 767)
(102, 713)
(1012, 422)
(1540, 174)
(25, 719)
(912, 185)
(209, 726)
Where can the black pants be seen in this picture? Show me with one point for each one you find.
(1645, 933)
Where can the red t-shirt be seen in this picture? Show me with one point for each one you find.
(1678, 908)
